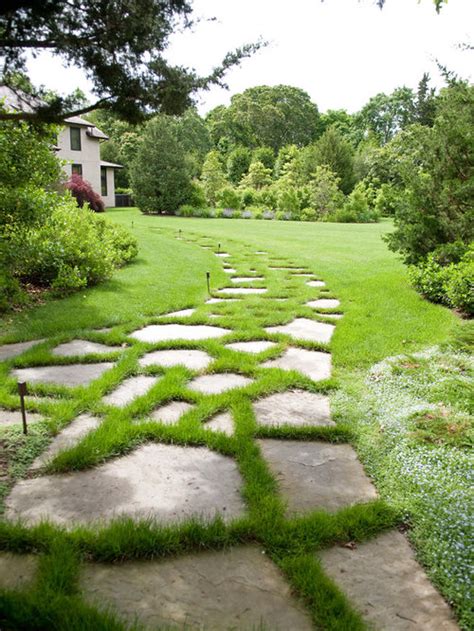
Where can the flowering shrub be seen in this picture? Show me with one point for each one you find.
(84, 193)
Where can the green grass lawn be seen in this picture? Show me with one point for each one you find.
(382, 316)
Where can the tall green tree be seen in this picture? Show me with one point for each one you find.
(238, 164)
(386, 114)
(159, 174)
(334, 151)
(213, 179)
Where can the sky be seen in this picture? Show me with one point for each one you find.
(341, 52)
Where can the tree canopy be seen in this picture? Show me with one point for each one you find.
(119, 43)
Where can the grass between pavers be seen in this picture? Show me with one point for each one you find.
(290, 543)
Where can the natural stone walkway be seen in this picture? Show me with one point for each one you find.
(240, 588)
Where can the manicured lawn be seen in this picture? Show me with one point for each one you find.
(382, 316)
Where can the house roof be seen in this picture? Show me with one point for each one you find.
(103, 163)
(92, 131)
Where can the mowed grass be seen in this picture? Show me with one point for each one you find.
(382, 316)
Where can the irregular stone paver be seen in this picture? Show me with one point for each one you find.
(234, 589)
(229, 270)
(332, 316)
(317, 475)
(386, 584)
(68, 437)
(17, 570)
(165, 332)
(260, 252)
(251, 347)
(12, 350)
(213, 301)
(71, 375)
(324, 303)
(316, 283)
(182, 313)
(222, 255)
(194, 360)
(13, 417)
(293, 407)
(220, 382)
(313, 364)
(245, 279)
(243, 290)
(221, 423)
(104, 329)
(166, 482)
(171, 413)
(302, 274)
(129, 390)
(305, 329)
(82, 347)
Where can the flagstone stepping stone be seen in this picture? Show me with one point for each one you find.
(324, 303)
(165, 482)
(245, 279)
(293, 407)
(82, 347)
(13, 417)
(17, 570)
(221, 423)
(316, 283)
(219, 382)
(7, 351)
(332, 316)
(104, 329)
(171, 413)
(165, 332)
(194, 360)
(182, 313)
(222, 255)
(229, 270)
(213, 301)
(303, 275)
(243, 290)
(313, 364)
(238, 588)
(305, 329)
(317, 475)
(129, 390)
(251, 347)
(69, 375)
(260, 252)
(68, 437)
(387, 585)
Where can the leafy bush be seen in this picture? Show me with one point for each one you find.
(357, 207)
(326, 198)
(228, 198)
(186, 210)
(196, 197)
(308, 214)
(288, 200)
(84, 193)
(247, 197)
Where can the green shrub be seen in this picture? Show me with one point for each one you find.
(308, 214)
(288, 200)
(196, 197)
(228, 198)
(460, 284)
(247, 198)
(357, 207)
(186, 210)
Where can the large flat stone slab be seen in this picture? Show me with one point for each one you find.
(192, 359)
(171, 413)
(165, 332)
(324, 303)
(68, 437)
(234, 589)
(293, 407)
(166, 482)
(313, 364)
(17, 570)
(388, 586)
(229, 270)
(82, 347)
(221, 423)
(222, 255)
(7, 351)
(13, 417)
(251, 347)
(71, 375)
(219, 382)
(316, 283)
(317, 475)
(213, 301)
(305, 329)
(246, 279)
(243, 290)
(129, 390)
(182, 313)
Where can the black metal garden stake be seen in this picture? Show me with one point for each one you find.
(22, 391)
(208, 279)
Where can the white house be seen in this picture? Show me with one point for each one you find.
(79, 144)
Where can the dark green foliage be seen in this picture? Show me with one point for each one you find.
(386, 114)
(238, 163)
(334, 151)
(160, 178)
(265, 155)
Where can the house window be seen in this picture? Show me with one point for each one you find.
(76, 169)
(103, 180)
(75, 134)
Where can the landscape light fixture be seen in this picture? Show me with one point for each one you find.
(208, 279)
(22, 391)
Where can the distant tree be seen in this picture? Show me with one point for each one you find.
(120, 44)
(159, 174)
(265, 155)
(334, 151)
(342, 121)
(258, 176)
(238, 164)
(193, 135)
(326, 197)
(213, 179)
(425, 105)
(386, 114)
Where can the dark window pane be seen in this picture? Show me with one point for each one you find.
(103, 180)
(76, 169)
(75, 138)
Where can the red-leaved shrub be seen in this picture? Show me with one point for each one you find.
(84, 193)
